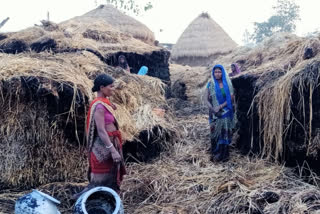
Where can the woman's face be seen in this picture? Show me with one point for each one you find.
(233, 68)
(107, 90)
(121, 60)
(217, 73)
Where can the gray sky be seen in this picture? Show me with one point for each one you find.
(173, 16)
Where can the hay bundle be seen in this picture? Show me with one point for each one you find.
(195, 78)
(185, 181)
(93, 35)
(201, 42)
(285, 84)
(276, 95)
(122, 22)
(275, 102)
(79, 33)
(44, 100)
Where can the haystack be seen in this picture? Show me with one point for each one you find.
(276, 97)
(47, 74)
(44, 102)
(201, 42)
(123, 22)
(93, 35)
(184, 181)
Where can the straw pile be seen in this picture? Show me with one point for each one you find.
(94, 35)
(44, 100)
(78, 33)
(183, 180)
(277, 90)
(195, 78)
(286, 87)
(122, 22)
(201, 42)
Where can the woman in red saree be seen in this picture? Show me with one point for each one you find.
(106, 163)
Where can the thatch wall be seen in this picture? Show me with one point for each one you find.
(93, 35)
(282, 86)
(47, 74)
(276, 97)
(294, 137)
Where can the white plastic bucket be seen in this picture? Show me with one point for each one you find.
(36, 202)
(102, 200)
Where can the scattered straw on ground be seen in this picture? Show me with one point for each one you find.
(184, 181)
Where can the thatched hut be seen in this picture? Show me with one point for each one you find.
(124, 23)
(94, 35)
(277, 97)
(44, 102)
(46, 76)
(201, 42)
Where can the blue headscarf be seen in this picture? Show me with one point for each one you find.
(143, 70)
(225, 87)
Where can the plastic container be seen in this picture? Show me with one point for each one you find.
(36, 202)
(99, 200)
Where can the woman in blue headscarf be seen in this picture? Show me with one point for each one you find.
(220, 98)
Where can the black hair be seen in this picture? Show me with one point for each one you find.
(124, 64)
(101, 80)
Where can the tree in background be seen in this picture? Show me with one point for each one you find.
(131, 5)
(247, 39)
(284, 20)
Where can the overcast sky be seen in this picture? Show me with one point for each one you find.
(172, 16)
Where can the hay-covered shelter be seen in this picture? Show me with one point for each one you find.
(201, 42)
(123, 22)
(90, 34)
(44, 103)
(277, 97)
(46, 75)
(49, 92)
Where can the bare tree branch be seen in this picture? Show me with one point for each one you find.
(4, 22)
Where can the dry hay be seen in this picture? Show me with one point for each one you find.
(195, 79)
(274, 99)
(190, 183)
(202, 38)
(185, 181)
(280, 63)
(35, 148)
(84, 33)
(274, 106)
(124, 23)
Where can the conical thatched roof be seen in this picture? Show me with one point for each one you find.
(202, 38)
(123, 22)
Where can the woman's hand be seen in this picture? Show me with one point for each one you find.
(115, 155)
(216, 109)
(114, 107)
